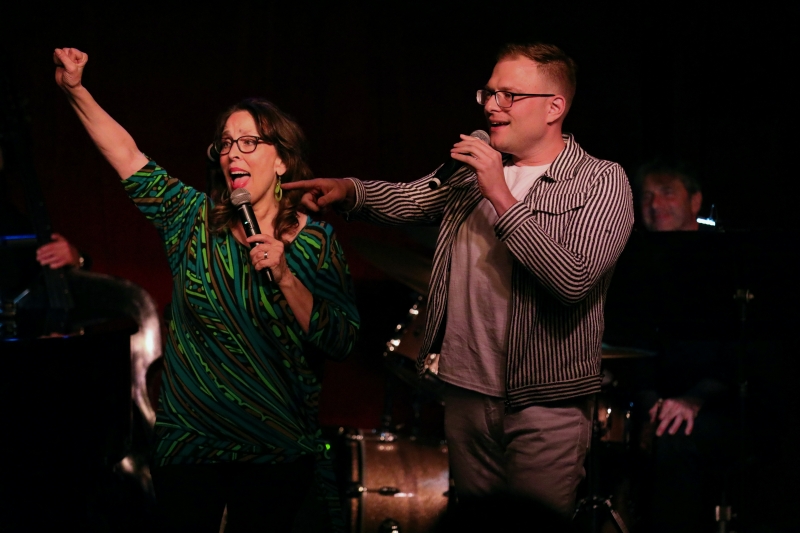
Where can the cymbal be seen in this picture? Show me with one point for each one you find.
(406, 266)
(620, 352)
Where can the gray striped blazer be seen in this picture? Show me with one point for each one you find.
(566, 237)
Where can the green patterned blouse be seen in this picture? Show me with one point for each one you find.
(237, 385)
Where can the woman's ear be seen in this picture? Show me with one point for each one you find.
(212, 154)
(280, 167)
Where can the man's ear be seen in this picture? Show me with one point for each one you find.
(558, 108)
(696, 201)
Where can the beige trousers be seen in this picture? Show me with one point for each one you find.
(535, 454)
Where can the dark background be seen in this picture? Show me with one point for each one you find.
(382, 93)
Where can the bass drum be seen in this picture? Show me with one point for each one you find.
(396, 483)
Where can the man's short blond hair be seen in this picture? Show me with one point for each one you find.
(551, 61)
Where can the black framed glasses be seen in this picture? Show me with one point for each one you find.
(245, 143)
(504, 99)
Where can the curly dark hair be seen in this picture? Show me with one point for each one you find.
(281, 131)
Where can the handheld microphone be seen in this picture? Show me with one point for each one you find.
(240, 198)
(449, 168)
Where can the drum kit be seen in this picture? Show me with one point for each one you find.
(398, 480)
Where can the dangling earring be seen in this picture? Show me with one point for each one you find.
(278, 190)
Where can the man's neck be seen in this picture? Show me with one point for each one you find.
(691, 225)
(543, 153)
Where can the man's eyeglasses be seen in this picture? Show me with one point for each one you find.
(504, 99)
(246, 144)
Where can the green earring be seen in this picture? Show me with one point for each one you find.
(278, 190)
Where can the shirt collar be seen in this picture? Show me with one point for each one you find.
(567, 164)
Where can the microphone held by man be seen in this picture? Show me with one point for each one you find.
(448, 169)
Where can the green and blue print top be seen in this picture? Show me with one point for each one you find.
(237, 385)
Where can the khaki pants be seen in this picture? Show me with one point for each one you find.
(535, 454)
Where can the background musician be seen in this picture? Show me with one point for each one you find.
(670, 197)
(690, 397)
(60, 252)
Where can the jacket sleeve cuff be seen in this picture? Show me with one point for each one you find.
(512, 219)
(361, 196)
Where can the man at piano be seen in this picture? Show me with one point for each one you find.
(60, 253)
(55, 254)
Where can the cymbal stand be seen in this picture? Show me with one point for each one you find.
(387, 429)
(724, 512)
(593, 503)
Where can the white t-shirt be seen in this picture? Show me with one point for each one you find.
(475, 345)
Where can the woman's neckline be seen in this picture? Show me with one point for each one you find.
(237, 232)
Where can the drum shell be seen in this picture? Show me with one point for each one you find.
(407, 340)
(614, 416)
(404, 480)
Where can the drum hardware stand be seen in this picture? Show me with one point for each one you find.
(387, 431)
(723, 514)
(593, 503)
(388, 405)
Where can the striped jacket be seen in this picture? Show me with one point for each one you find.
(566, 237)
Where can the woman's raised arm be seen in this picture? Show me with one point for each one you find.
(114, 142)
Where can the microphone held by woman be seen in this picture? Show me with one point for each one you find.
(241, 199)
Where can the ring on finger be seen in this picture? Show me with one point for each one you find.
(266, 255)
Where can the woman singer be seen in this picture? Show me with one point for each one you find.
(237, 416)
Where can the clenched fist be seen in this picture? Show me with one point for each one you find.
(70, 63)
